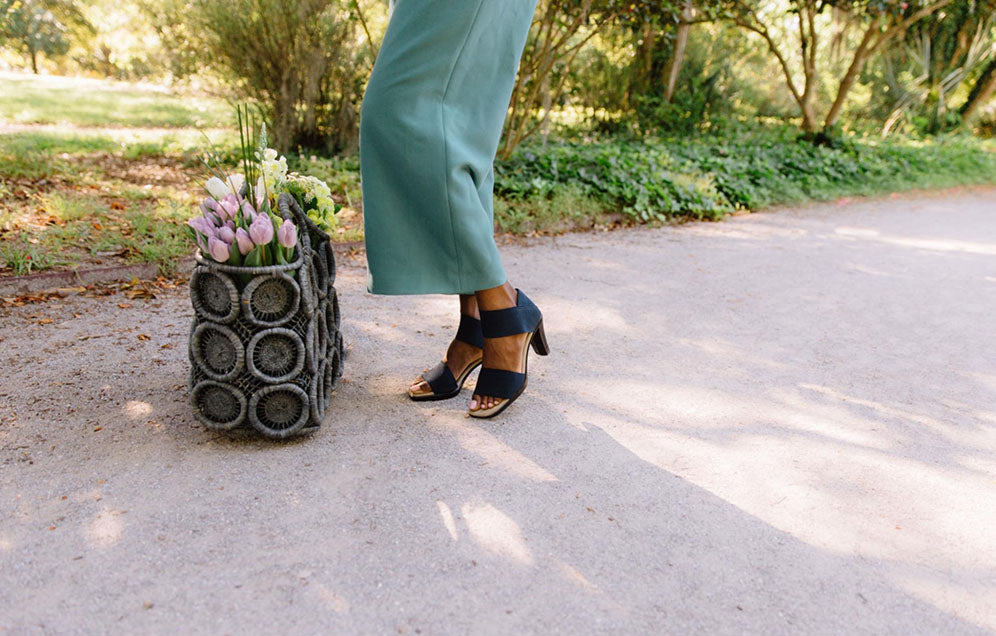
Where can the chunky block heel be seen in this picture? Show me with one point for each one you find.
(538, 341)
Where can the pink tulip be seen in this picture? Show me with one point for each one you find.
(244, 241)
(203, 225)
(287, 234)
(261, 230)
(248, 211)
(229, 207)
(220, 250)
(226, 234)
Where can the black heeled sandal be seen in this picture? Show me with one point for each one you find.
(525, 317)
(440, 379)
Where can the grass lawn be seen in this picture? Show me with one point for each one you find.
(45, 99)
(99, 172)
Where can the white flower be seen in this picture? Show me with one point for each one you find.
(274, 169)
(216, 188)
(219, 189)
(235, 182)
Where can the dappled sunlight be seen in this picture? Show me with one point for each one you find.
(933, 244)
(496, 532)
(820, 465)
(447, 516)
(137, 410)
(106, 529)
(330, 598)
(496, 454)
(953, 431)
(574, 576)
(950, 596)
(5, 543)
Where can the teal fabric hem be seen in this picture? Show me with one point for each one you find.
(416, 284)
(430, 125)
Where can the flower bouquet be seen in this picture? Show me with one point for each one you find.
(265, 345)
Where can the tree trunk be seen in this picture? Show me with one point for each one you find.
(678, 57)
(981, 92)
(645, 58)
(34, 60)
(851, 76)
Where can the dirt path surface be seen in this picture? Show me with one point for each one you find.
(781, 423)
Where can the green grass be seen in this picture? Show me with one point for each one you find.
(81, 226)
(28, 99)
(22, 257)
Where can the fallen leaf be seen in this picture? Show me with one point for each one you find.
(46, 321)
(144, 336)
(124, 305)
(165, 346)
(97, 428)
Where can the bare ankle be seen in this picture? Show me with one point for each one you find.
(500, 297)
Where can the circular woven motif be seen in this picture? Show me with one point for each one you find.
(217, 351)
(275, 355)
(309, 297)
(335, 362)
(279, 411)
(337, 318)
(217, 405)
(318, 266)
(318, 395)
(325, 251)
(213, 295)
(321, 330)
(271, 300)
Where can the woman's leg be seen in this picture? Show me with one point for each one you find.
(431, 122)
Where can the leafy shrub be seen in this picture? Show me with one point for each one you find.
(706, 178)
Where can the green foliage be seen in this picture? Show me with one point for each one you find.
(707, 178)
(35, 27)
(300, 61)
(25, 258)
(561, 210)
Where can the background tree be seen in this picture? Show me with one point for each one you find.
(794, 33)
(41, 27)
(937, 57)
(299, 59)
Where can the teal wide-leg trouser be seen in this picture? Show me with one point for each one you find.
(430, 125)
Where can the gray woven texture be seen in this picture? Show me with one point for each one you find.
(265, 347)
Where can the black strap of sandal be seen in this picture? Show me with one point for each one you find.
(470, 331)
(523, 318)
(440, 379)
(499, 383)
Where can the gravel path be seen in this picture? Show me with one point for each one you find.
(785, 422)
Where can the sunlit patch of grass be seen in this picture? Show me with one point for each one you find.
(22, 257)
(92, 102)
(71, 206)
(560, 211)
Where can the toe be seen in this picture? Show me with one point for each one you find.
(475, 403)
